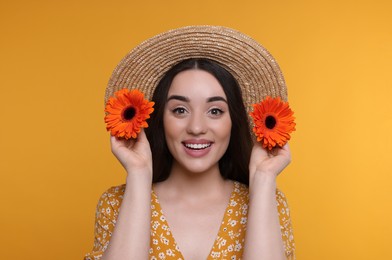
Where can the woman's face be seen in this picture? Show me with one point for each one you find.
(196, 121)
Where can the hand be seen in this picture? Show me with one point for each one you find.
(134, 154)
(269, 163)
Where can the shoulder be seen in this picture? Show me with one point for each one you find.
(115, 191)
(241, 192)
(241, 189)
(110, 200)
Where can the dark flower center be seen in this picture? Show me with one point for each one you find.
(270, 122)
(129, 113)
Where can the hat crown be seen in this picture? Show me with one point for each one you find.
(251, 64)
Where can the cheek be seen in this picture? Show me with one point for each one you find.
(167, 127)
(223, 129)
(172, 128)
(170, 125)
(168, 131)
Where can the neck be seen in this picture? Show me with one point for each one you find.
(184, 183)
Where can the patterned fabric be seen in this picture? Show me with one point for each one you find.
(229, 243)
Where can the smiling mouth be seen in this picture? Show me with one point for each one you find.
(197, 146)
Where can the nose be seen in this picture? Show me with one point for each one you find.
(197, 124)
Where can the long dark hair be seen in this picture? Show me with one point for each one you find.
(235, 162)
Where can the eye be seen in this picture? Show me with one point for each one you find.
(216, 112)
(179, 110)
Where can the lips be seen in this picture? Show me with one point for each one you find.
(197, 148)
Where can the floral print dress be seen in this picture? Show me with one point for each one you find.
(229, 243)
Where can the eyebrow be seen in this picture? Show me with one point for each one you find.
(186, 99)
(181, 98)
(216, 98)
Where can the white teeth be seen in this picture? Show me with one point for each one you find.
(197, 146)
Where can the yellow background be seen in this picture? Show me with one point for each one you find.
(55, 161)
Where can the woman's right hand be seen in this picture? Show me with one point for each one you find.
(131, 236)
(134, 154)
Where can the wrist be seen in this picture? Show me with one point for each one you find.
(138, 186)
(261, 181)
(139, 176)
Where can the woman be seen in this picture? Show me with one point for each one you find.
(198, 153)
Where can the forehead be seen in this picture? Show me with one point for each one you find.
(197, 83)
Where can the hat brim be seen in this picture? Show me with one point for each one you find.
(255, 70)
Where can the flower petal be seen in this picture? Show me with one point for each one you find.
(116, 124)
(283, 115)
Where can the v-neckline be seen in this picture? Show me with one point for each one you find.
(223, 223)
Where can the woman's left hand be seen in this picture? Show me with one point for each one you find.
(263, 239)
(269, 163)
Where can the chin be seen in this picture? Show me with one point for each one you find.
(196, 168)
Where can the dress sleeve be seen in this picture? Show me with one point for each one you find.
(105, 220)
(285, 225)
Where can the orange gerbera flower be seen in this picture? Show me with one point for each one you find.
(274, 121)
(127, 113)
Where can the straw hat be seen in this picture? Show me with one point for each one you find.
(252, 66)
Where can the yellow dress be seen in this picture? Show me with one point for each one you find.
(229, 243)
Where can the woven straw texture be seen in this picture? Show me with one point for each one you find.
(254, 68)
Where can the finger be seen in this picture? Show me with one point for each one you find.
(259, 152)
(279, 150)
(286, 151)
(112, 140)
(286, 147)
(142, 136)
(142, 139)
(117, 142)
